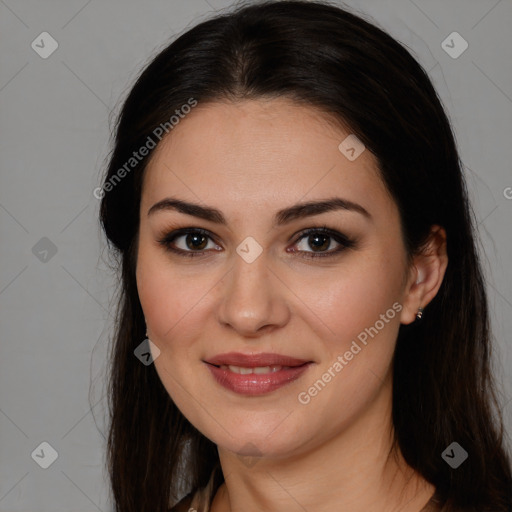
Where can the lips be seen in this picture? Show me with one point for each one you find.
(255, 374)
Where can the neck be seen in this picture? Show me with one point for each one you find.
(357, 470)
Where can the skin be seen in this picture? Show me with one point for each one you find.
(249, 160)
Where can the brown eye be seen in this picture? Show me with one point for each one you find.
(196, 241)
(320, 240)
(189, 242)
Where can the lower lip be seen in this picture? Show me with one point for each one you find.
(256, 384)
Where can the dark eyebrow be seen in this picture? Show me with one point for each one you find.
(284, 216)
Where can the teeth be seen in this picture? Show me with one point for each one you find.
(262, 369)
(239, 369)
(257, 370)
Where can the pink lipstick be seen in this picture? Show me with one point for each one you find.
(255, 374)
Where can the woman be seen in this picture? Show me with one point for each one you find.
(295, 240)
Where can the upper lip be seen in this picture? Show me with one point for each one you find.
(255, 360)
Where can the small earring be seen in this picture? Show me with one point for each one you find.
(419, 314)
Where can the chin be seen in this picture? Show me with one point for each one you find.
(269, 442)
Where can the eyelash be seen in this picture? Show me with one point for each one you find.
(345, 242)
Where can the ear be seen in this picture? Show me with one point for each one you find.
(425, 275)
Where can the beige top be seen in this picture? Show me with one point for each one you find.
(202, 500)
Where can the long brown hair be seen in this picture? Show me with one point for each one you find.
(327, 58)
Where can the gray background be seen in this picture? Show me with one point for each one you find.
(54, 122)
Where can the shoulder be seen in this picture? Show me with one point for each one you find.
(183, 505)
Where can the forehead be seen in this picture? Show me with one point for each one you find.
(260, 152)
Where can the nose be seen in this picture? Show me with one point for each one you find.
(254, 299)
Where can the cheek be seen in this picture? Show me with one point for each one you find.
(358, 318)
(174, 300)
(354, 296)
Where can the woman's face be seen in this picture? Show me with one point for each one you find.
(251, 282)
